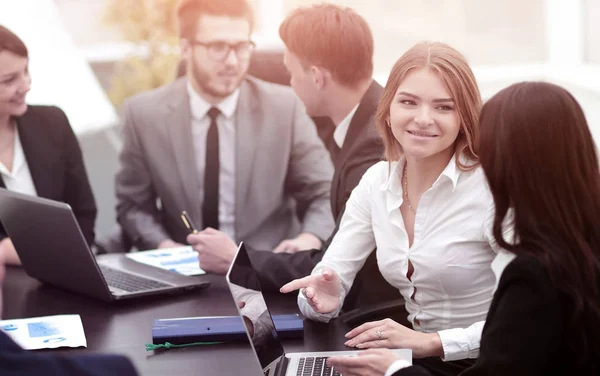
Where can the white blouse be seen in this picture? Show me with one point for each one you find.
(19, 179)
(453, 282)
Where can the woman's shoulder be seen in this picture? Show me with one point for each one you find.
(377, 177)
(381, 170)
(526, 263)
(38, 110)
(525, 268)
(473, 171)
(46, 122)
(50, 116)
(473, 183)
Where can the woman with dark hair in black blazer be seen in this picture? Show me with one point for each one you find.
(39, 153)
(540, 160)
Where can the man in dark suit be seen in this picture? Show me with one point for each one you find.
(329, 54)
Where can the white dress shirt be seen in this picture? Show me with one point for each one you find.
(19, 179)
(339, 135)
(397, 366)
(452, 251)
(200, 124)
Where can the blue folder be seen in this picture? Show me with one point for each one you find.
(181, 331)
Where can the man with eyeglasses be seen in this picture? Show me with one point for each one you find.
(237, 153)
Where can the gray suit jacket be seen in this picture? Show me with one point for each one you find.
(280, 163)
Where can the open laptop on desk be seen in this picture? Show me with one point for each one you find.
(53, 250)
(244, 286)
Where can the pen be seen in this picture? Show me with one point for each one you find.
(188, 222)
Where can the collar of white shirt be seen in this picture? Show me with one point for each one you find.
(397, 169)
(18, 159)
(199, 106)
(339, 135)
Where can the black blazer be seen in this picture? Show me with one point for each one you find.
(525, 331)
(362, 148)
(56, 164)
(15, 361)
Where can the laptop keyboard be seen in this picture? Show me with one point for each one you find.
(129, 282)
(315, 367)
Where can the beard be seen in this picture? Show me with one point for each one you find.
(205, 82)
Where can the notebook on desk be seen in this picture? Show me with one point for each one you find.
(53, 250)
(263, 337)
(180, 331)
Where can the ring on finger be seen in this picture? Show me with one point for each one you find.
(379, 335)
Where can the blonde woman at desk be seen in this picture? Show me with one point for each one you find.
(540, 160)
(429, 213)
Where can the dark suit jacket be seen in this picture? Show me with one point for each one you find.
(56, 164)
(15, 361)
(361, 149)
(525, 331)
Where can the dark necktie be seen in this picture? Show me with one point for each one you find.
(210, 205)
(330, 144)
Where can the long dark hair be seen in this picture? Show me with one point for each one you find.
(540, 160)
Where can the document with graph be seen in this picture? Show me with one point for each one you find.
(182, 260)
(47, 332)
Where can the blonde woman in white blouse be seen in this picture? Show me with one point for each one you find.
(427, 211)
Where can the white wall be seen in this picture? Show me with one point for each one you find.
(60, 73)
(506, 42)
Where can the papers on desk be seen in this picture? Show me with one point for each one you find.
(183, 260)
(48, 332)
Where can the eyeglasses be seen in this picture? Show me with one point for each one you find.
(219, 50)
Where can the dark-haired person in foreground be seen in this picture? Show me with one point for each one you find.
(541, 163)
(339, 86)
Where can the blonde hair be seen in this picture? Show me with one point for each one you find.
(453, 68)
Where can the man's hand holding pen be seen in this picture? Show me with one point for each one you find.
(215, 250)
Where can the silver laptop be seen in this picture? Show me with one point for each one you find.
(274, 361)
(53, 250)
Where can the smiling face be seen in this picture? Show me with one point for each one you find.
(423, 116)
(14, 84)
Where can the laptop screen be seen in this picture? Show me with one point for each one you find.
(247, 294)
